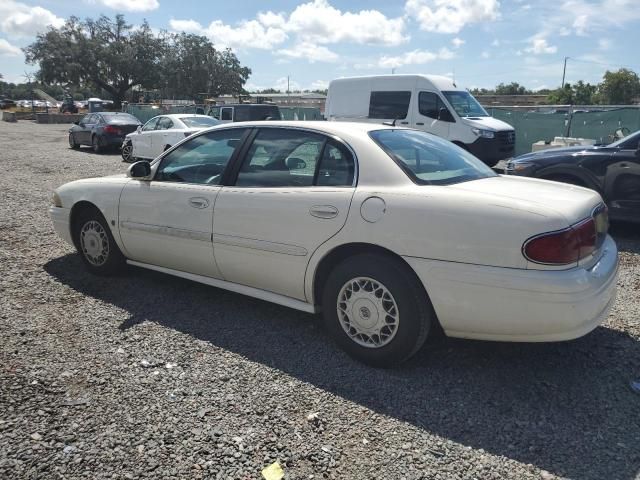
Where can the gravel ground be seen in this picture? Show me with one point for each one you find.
(150, 376)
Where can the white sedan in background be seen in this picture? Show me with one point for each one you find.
(161, 133)
(388, 231)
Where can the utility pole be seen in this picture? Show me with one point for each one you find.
(564, 71)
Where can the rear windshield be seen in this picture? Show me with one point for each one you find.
(430, 160)
(123, 118)
(199, 122)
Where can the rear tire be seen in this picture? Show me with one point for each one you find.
(95, 144)
(376, 310)
(95, 244)
(127, 152)
(72, 142)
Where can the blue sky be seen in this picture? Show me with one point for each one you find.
(480, 42)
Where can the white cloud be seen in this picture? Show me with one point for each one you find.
(313, 23)
(485, 54)
(309, 51)
(495, 43)
(22, 20)
(8, 50)
(248, 34)
(415, 57)
(319, 85)
(131, 5)
(604, 44)
(457, 42)
(451, 16)
(540, 46)
(320, 22)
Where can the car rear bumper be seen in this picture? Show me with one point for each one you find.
(60, 219)
(502, 304)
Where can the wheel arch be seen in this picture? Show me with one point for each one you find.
(339, 253)
(582, 177)
(74, 215)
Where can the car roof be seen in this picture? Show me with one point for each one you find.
(181, 115)
(336, 128)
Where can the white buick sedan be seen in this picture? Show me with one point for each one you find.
(389, 232)
(161, 133)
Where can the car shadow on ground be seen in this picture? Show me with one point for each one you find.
(565, 407)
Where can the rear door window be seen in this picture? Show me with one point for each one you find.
(389, 105)
(226, 114)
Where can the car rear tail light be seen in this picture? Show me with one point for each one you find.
(110, 129)
(570, 245)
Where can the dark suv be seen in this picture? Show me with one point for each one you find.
(244, 112)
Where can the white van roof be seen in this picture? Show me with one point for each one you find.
(440, 82)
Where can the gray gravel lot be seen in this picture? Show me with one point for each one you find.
(150, 376)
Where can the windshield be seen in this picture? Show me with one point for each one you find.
(430, 160)
(199, 122)
(122, 118)
(465, 105)
(630, 142)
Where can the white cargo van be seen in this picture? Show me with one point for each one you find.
(427, 102)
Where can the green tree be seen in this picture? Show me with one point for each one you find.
(619, 88)
(108, 54)
(584, 93)
(562, 96)
(191, 66)
(514, 88)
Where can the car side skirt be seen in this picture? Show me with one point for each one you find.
(233, 287)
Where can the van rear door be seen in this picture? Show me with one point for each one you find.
(428, 115)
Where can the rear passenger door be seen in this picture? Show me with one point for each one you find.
(160, 138)
(291, 193)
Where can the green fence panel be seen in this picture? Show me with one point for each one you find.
(601, 126)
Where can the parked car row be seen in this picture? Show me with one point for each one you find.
(102, 130)
(388, 231)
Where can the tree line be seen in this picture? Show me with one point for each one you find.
(115, 57)
(621, 87)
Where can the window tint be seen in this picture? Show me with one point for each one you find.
(214, 112)
(337, 166)
(389, 104)
(430, 160)
(202, 159)
(281, 158)
(243, 114)
(164, 123)
(85, 119)
(151, 124)
(226, 114)
(430, 104)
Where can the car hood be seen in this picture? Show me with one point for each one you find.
(487, 123)
(532, 195)
(561, 152)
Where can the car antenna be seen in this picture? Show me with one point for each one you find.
(391, 124)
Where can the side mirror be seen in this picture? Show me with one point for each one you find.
(139, 129)
(445, 115)
(76, 122)
(139, 170)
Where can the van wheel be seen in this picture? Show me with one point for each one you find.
(376, 310)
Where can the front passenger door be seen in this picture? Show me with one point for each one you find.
(168, 221)
(427, 117)
(292, 193)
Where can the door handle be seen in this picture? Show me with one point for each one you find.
(198, 202)
(404, 123)
(419, 123)
(624, 165)
(324, 211)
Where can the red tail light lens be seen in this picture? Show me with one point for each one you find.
(110, 129)
(563, 247)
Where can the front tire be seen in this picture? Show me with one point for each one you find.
(95, 244)
(376, 310)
